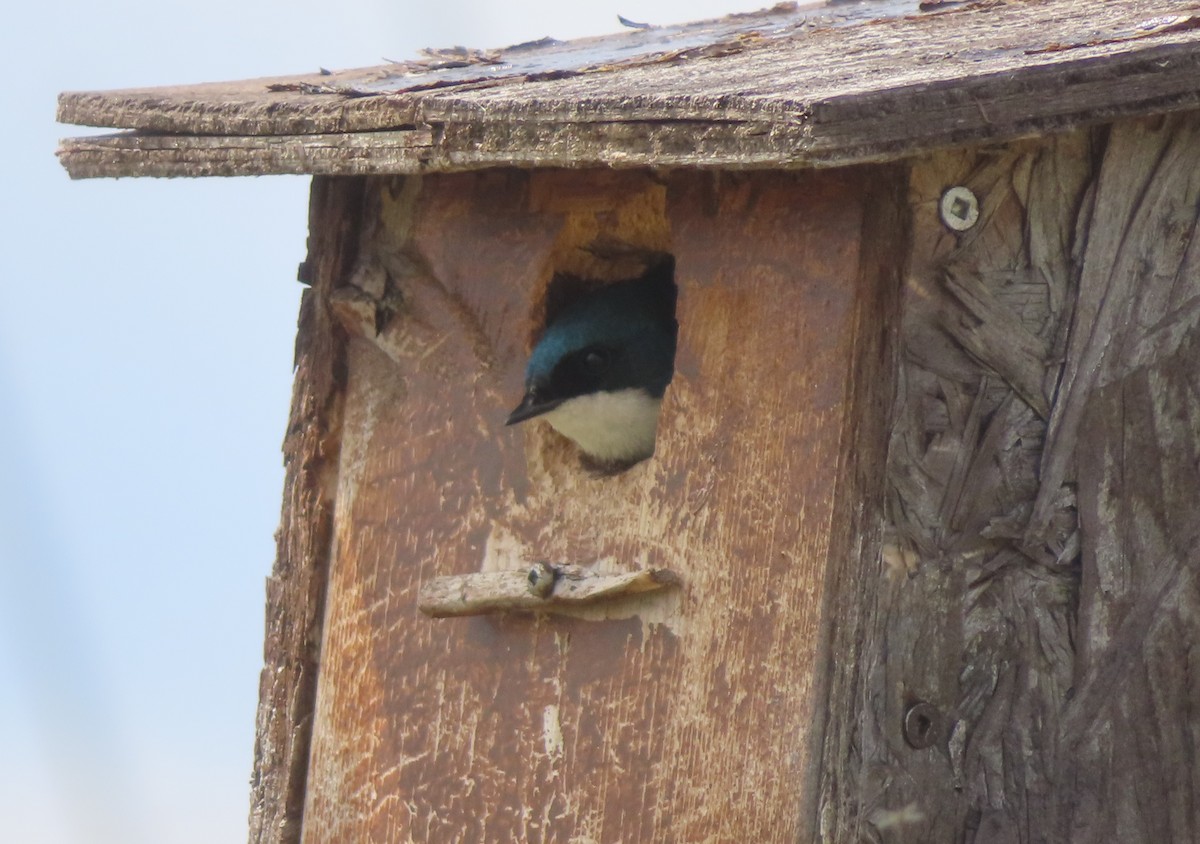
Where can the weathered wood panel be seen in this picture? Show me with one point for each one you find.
(136, 154)
(296, 588)
(691, 715)
(856, 532)
(791, 87)
(991, 641)
(1128, 438)
(1028, 663)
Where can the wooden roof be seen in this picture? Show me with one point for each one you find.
(787, 87)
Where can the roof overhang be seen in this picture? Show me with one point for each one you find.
(789, 87)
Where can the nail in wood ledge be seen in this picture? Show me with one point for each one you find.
(544, 587)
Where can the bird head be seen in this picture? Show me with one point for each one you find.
(600, 369)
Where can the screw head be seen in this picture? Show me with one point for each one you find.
(922, 725)
(959, 208)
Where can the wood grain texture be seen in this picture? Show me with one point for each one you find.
(689, 715)
(296, 589)
(136, 154)
(1129, 410)
(1037, 591)
(975, 622)
(852, 579)
(788, 89)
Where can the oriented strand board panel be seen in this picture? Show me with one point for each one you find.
(1037, 604)
(693, 715)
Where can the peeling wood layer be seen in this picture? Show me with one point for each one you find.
(621, 145)
(296, 588)
(787, 90)
(138, 154)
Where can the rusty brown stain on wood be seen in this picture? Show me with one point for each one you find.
(690, 718)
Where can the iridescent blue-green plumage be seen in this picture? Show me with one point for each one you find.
(600, 369)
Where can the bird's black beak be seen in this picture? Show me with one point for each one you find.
(530, 407)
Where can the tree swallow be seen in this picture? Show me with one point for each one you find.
(600, 369)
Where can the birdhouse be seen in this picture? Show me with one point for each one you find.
(916, 554)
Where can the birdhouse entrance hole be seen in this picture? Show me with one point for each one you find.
(600, 365)
(601, 328)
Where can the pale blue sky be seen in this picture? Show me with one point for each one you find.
(146, 333)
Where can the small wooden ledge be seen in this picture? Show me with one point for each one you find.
(543, 587)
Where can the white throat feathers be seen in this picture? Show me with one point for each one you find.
(616, 427)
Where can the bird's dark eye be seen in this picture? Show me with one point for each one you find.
(595, 360)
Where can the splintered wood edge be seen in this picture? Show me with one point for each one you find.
(137, 154)
(542, 587)
(531, 126)
(444, 149)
